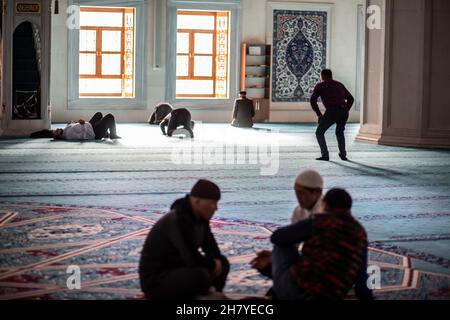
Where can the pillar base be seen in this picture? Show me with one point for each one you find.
(410, 142)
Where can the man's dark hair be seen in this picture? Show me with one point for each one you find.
(205, 189)
(327, 73)
(338, 199)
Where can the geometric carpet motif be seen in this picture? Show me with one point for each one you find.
(299, 53)
(39, 243)
(91, 204)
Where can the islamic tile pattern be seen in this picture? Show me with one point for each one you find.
(299, 53)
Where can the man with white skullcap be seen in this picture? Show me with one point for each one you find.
(308, 189)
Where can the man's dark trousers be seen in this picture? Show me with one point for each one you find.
(187, 283)
(333, 115)
(180, 117)
(101, 124)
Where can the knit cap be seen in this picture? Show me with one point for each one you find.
(205, 189)
(310, 179)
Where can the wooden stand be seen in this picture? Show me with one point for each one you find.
(255, 77)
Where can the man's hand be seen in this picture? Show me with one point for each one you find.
(218, 268)
(262, 260)
(81, 121)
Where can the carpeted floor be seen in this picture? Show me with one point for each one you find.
(92, 203)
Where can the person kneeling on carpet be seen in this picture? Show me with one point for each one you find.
(243, 111)
(175, 119)
(171, 265)
(333, 258)
(96, 129)
(161, 111)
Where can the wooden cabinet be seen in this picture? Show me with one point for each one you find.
(255, 77)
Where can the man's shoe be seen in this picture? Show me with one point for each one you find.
(343, 158)
(323, 158)
(115, 137)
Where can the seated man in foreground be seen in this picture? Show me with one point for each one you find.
(308, 191)
(96, 129)
(171, 266)
(175, 119)
(333, 258)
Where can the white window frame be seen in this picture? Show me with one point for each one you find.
(234, 7)
(139, 102)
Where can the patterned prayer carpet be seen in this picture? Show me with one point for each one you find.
(91, 204)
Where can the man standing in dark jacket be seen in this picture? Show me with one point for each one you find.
(337, 101)
(171, 265)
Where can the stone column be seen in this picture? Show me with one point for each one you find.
(407, 72)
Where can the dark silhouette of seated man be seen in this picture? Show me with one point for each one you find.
(171, 265)
(243, 111)
(333, 258)
(175, 119)
(161, 111)
(96, 129)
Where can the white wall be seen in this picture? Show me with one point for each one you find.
(342, 49)
(342, 61)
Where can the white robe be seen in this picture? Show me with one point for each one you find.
(77, 131)
(302, 213)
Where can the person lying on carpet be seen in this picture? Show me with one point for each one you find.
(97, 128)
(161, 111)
(308, 190)
(175, 119)
(243, 111)
(333, 258)
(171, 265)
